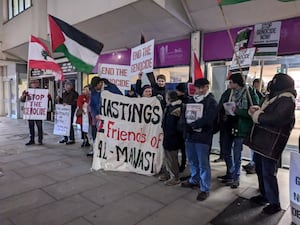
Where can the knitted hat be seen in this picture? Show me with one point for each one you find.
(181, 87)
(145, 87)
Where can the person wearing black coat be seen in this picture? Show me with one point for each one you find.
(171, 142)
(273, 123)
(181, 90)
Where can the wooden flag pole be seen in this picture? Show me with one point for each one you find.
(235, 53)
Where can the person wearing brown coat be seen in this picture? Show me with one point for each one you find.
(273, 123)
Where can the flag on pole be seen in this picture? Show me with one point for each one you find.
(197, 69)
(81, 50)
(39, 58)
(143, 40)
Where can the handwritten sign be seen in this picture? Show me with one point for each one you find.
(116, 74)
(142, 58)
(129, 136)
(36, 105)
(62, 120)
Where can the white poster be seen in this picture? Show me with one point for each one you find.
(295, 187)
(116, 74)
(62, 120)
(245, 57)
(36, 105)
(193, 112)
(266, 40)
(85, 118)
(142, 58)
(129, 136)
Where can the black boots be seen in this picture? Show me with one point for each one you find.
(85, 143)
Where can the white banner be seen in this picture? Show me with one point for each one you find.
(245, 57)
(36, 105)
(129, 136)
(62, 120)
(295, 187)
(142, 58)
(116, 74)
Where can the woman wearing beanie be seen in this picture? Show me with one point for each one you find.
(273, 121)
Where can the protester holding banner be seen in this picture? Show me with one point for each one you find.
(273, 121)
(198, 116)
(237, 124)
(39, 123)
(158, 87)
(172, 137)
(83, 102)
(69, 97)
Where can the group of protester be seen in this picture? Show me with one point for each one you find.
(264, 123)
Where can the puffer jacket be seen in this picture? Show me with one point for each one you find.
(273, 124)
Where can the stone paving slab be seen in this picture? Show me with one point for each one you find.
(180, 212)
(80, 221)
(41, 159)
(24, 185)
(128, 210)
(17, 204)
(58, 213)
(164, 194)
(70, 172)
(11, 158)
(30, 171)
(112, 191)
(6, 222)
(74, 186)
(10, 176)
(13, 165)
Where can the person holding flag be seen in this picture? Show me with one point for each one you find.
(39, 58)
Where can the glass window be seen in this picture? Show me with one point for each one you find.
(15, 7)
(21, 5)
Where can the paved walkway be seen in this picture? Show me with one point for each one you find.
(53, 185)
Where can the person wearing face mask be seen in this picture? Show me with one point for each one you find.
(199, 115)
(273, 122)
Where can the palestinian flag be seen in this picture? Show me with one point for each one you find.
(81, 50)
(231, 2)
(39, 58)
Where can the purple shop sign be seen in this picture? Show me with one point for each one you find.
(117, 57)
(172, 53)
(165, 54)
(217, 45)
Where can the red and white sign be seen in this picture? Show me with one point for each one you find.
(142, 58)
(116, 74)
(36, 105)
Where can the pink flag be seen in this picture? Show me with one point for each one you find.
(39, 58)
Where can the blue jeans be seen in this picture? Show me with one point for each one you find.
(232, 150)
(266, 170)
(198, 156)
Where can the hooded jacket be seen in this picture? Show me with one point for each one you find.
(274, 120)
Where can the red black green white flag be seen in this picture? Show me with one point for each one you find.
(81, 50)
